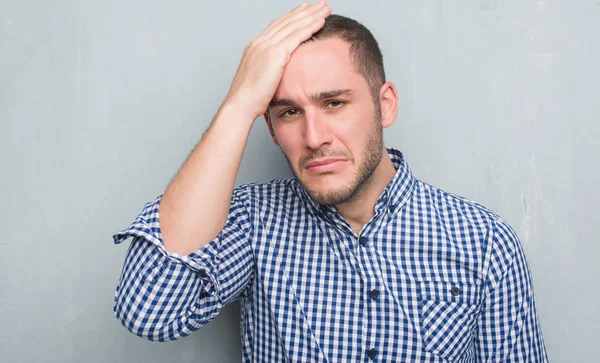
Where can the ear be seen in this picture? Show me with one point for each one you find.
(267, 116)
(388, 99)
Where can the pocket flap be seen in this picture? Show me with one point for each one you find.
(451, 292)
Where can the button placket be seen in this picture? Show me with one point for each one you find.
(372, 296)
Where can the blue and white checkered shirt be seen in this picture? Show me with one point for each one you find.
(432, 277)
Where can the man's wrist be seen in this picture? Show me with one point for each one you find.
(238, 111)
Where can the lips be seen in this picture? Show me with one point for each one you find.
(325, 165)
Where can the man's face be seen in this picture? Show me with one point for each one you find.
(324, 119)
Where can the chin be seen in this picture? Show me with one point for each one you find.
(327, 189)
(330, 195)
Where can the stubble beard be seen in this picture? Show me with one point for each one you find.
(373, 151)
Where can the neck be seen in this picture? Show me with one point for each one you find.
(360, 209)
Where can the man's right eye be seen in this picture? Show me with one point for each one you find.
(289, 113)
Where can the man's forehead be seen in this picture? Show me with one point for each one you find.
(316, 67)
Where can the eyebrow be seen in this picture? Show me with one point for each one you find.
(315, 97)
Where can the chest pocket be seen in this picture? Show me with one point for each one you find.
(448, 315)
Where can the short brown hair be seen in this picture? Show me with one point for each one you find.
(364, 49)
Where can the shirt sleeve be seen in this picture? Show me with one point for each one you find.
(162, 296)
(508, 328)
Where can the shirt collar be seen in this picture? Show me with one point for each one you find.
(393, 197)
(398, 191)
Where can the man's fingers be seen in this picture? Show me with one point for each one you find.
(298, 13)
(275, 24)
(278, 21)
(301, 29)
(264, 58)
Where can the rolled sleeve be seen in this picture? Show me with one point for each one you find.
(163, 296)
(509, 330)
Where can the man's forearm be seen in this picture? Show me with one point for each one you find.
(194, 208)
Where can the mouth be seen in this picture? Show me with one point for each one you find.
(325, 165)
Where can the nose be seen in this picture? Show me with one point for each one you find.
(316, 130)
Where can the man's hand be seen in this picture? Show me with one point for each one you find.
(263, 60)
(194, 208)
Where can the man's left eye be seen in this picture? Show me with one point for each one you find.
(336, 103)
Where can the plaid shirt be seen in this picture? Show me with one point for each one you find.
(432, 277)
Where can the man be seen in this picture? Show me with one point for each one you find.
(353, 259)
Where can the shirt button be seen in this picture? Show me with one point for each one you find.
(362, 241)
(455, 291)
(374, 294)
(391, 208)
(372, 353)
